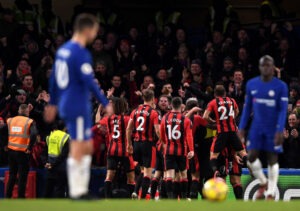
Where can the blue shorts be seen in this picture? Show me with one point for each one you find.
(79, 127)
(262, 140)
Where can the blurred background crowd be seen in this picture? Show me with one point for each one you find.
(160, 54)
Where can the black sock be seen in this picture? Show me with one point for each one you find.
(130, 188)
(145, 186)
(107, 189)
(169, 188)
(214, 164)
(176, 189)
(154, 185)
(163, 190)
(245, 160)
(238, 191)
(194, 189)
(184, 188)
(138, 183)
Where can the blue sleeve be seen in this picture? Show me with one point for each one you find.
(247, 109)
(282, 102)
(87, 75)
(53, 89)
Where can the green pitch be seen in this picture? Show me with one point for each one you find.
(123, 205)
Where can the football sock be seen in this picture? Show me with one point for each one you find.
(214, 164)
(86, 173)
(138, 183)
(194, 189)
(273, 172)
(163, 190)
(184, 188)
(130, 188)
(75, 178)
(257, 171)
(238, 191)
(169, 188)
(145, 186)
(107, 189)
(154, 185)
(176, 189)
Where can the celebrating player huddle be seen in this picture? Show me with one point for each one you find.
(168, 144)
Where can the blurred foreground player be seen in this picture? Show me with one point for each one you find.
(267, 99)
(177, 137)
(71, 82)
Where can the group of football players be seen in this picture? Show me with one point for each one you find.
(175, 145)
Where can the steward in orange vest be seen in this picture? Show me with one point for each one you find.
(21, 137)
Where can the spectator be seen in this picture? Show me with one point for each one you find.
(292, 142)
(100, 55)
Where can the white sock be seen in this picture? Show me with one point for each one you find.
(77, 184)
(257, 171)
(273, 173)
(86, 174)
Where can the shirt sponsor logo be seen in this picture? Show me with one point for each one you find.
(267, 102)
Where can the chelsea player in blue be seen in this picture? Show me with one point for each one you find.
(267, 99)
(71, 82)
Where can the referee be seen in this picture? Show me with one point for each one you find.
(21, 137)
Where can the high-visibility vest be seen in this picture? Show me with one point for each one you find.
(56, 141)
(210, 133)
(53, 26)
(19, 133)
(25, 18)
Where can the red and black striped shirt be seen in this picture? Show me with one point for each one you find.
(144, 119)
(176, 134)
(116, 126)
(224, 109)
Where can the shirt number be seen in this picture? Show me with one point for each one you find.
(141, 121)
(116, 133)
(173, 133)
(61, 74)
(223, 111)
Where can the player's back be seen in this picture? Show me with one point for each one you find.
(71, 62)
(175, 133)
(117, 125)
(224, 109)
(266, 98)
(144, 118)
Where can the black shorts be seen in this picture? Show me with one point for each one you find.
(228, 139)
(176, 162)
(145, 153)
(114, 161)
(159, 164)
(194, 164)
(226, 159)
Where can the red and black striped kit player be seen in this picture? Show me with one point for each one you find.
(142, 128)
(177, 136)
(224, 110)
(116, 154)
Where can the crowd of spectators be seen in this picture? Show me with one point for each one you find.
(143, 57)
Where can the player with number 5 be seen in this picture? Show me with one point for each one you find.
(224, 110)
(71, 82)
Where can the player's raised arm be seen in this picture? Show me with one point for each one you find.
(282, 101)
(247, 109)
(87, 75)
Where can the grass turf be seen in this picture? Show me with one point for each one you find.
(128, 205)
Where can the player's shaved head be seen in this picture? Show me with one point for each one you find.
(176, 103)
(266, 67)
(220, 90)
(148, 95)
